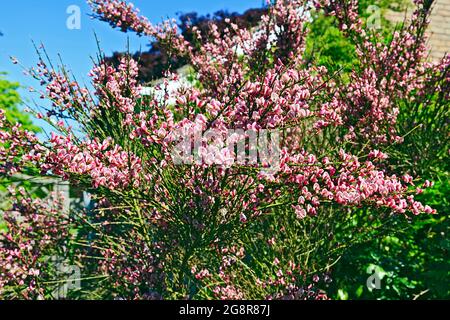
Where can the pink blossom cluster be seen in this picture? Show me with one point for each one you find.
(223, 68)
(121, 14)
(105, 164)
(14, 143)
(65, 94)
(288, 25)
(35, 229)
(117, 89)
(350, 183)
(392, 71)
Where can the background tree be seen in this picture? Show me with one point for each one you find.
(10, 101)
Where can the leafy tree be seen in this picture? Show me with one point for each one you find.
(10, 101)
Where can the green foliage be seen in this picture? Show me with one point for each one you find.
(10, 101)
(412, 262)
(328, 46)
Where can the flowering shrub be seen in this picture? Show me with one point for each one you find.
(208, 226)
(36, 230)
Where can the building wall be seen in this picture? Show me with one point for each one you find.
(439, 29)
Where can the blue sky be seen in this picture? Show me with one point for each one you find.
(22, 21)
